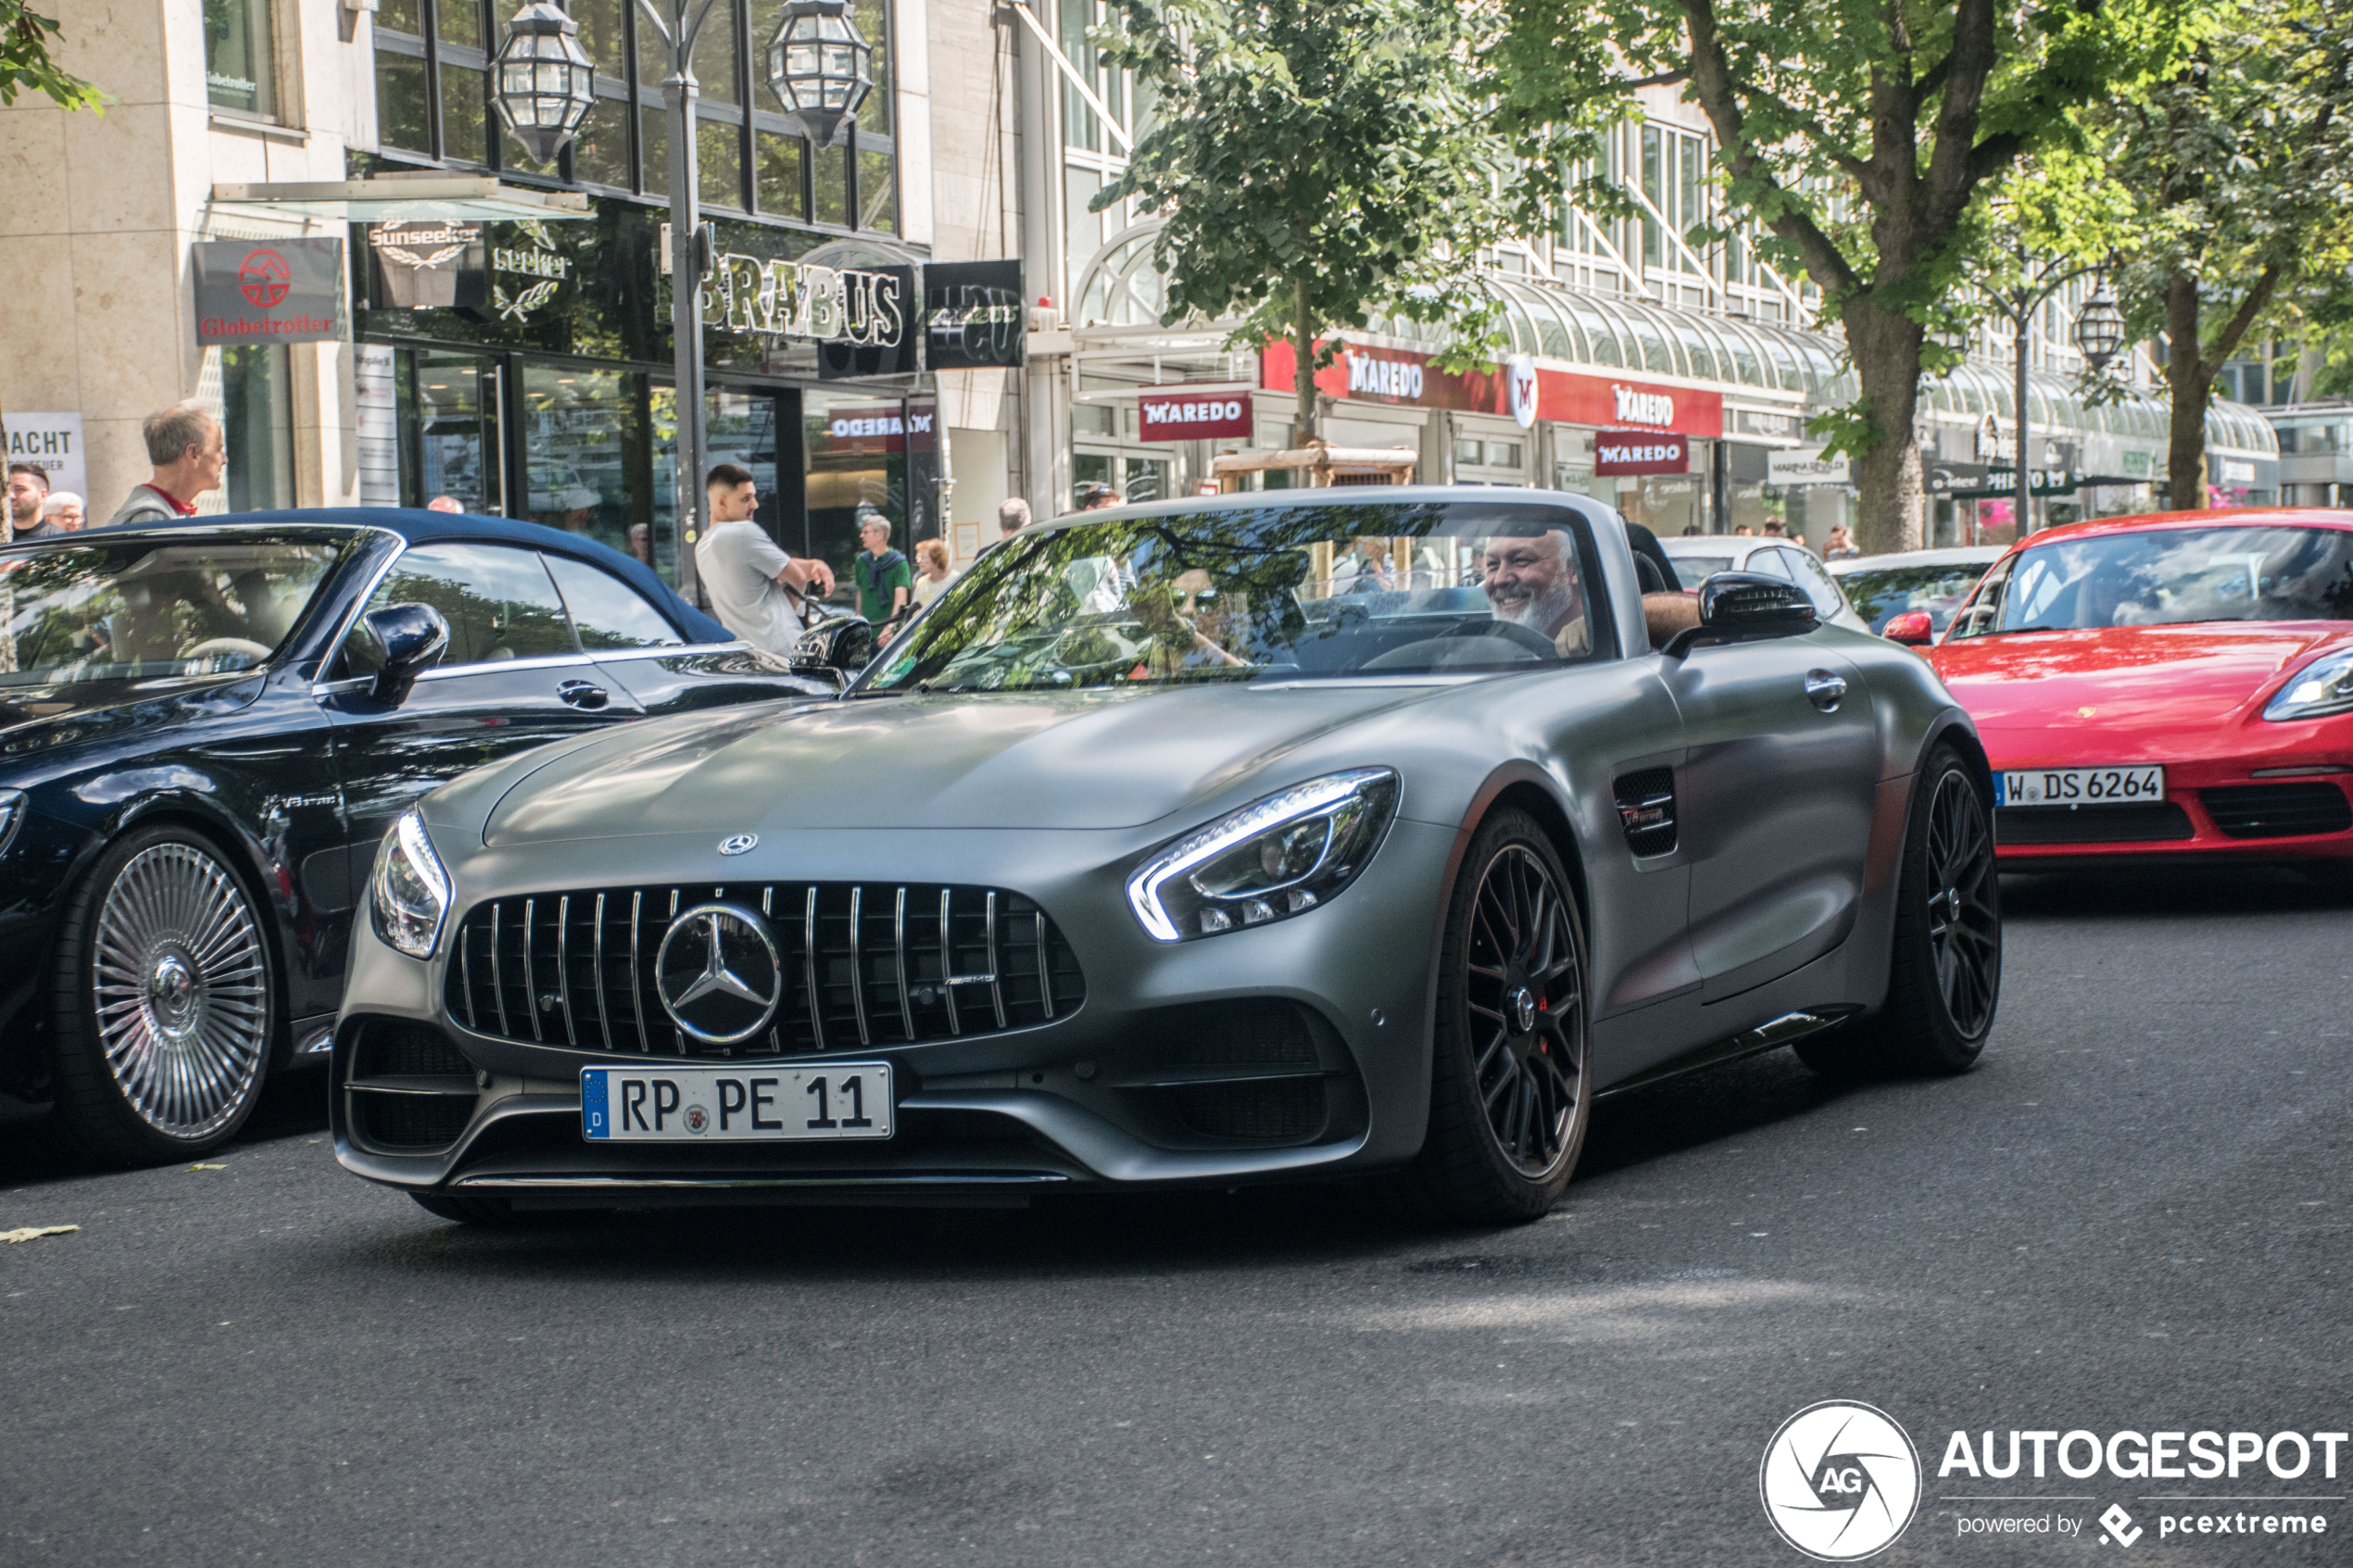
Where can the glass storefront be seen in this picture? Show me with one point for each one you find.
(257, 425)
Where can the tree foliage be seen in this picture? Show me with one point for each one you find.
(2235, 172)
(25, 38)
(1316, 162)
(1858, 135)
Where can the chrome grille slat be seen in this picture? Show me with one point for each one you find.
(892, 997)
(948, 958)
(858, 964)
(604, 1014)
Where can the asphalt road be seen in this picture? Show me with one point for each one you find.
(2133, 1215)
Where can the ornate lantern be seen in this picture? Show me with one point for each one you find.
(820, 67)
(544, 80)
(2099, 327)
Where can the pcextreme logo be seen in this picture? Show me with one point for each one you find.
(1840, 1480)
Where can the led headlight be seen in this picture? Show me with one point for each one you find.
(12, 810)
(409, 893)
(2322, 687)
(1273, 859)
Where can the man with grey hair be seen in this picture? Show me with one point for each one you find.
(1012, 515)
(184, 443)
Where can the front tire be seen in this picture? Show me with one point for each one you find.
(1511, 1089)
(163, 1002)
(1944, 974)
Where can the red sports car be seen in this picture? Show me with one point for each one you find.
(2177, 686)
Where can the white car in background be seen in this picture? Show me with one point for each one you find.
(1698, 557)
(1911, 595)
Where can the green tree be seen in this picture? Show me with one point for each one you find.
(2236, 169)
(25, 62)
(1316, 162)
(1858, 135)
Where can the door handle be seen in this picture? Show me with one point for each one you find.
(584, 693)
(1824, 690)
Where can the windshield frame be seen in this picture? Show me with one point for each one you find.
(998, 562)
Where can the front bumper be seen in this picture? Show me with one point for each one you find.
(1118, 1093)
(2262, 808)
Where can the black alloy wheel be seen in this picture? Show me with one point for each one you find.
(1511, 1091)
(1944, 971)
(164, 1011)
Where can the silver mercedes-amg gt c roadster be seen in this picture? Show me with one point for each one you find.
(1297, 834)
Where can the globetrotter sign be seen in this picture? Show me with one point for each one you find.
(1193, 416)
(272, 291)
(1520, 389)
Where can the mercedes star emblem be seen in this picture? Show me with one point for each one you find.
(740, 844)
(719, 973)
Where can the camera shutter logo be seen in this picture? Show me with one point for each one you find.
(1840, 1480)
(719, 972)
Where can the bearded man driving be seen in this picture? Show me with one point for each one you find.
(1532, 581)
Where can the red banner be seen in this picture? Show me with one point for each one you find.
(1640, 451)
(1389, 375)
(1193, 416)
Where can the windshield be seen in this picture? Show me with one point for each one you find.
(2168, 576)
(1880, 595)
(1232, 593)
(137, 611)
(1693, 569)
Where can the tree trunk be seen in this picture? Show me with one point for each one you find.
(2186, 380)
(1303, 420)
(1885, 346)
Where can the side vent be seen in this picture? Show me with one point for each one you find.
(1646, 807)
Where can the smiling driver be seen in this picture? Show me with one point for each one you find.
(1531, 579)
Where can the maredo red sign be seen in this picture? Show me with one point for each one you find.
(1193, 416)
(1387, 375)
(1640, 451)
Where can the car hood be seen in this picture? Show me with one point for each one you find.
(2173, 677)
(1077, 760)
(39, 723)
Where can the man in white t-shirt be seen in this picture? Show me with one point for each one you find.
(755, 587)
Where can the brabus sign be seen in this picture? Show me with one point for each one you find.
(1193, 416)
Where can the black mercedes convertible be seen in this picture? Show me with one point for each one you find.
(206, 728)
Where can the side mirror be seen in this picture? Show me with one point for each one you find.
(1736, 607)
(843, 646)
(413, 638)
(1914, 629)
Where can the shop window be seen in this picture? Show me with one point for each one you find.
(453, 440)
(240, 57)
(854, 462)
(591, 438)
(433, 101)
(257, 426)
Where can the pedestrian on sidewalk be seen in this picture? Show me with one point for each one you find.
(185, 446)
(28, 487)
(63, 511)
(933, 576)
(886, 582)
(757, 590)
(1012, 515)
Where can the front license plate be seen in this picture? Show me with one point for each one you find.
(2078, 787)
(844, 1100)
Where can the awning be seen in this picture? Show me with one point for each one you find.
(405, 197)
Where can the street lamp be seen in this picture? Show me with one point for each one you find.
(820, 67)
(2099, 328)
(544, 80)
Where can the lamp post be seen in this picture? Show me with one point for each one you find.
(2098, 323)
(819, 67)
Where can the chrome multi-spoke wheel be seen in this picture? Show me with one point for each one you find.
(1964, 921)
(165, 1007)
(1511, 1090)
(1944, 956)
(1525, 995)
